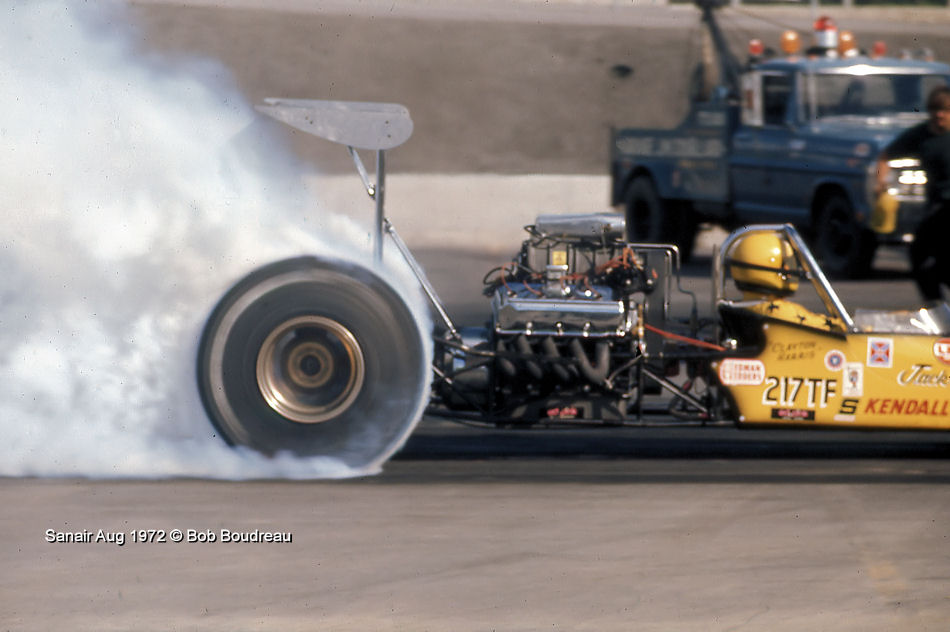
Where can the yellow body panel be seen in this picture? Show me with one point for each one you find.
(809, 377)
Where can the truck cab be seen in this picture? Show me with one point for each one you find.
(811, 130)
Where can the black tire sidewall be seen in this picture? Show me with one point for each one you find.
(856, 261)
(642, 196)
(671, 222)
(356, 298)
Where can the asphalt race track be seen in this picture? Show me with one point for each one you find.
(474, 529)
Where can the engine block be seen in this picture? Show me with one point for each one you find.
(565, 328)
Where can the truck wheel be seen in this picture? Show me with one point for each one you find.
(316, 358)
(843, 246)
(650, 220)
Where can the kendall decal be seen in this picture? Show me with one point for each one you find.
(891, 406)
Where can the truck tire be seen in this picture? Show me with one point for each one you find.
(315, 358)
(844, 247)
(651, 220)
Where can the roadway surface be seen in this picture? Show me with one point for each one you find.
(475, 529)
(471, 529)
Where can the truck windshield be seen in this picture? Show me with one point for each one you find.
(872, 95)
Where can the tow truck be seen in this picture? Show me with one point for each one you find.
(790, 137)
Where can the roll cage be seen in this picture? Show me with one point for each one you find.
(808, 270)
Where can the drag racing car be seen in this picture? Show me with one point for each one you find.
(321, 357)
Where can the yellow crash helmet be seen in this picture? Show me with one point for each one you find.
(763, 263)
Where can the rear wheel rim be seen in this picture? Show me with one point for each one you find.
(310, 369)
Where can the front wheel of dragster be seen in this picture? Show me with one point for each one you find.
(313, 357)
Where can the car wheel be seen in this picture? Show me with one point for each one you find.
(316, 358)
(844, 247)
(649, 220)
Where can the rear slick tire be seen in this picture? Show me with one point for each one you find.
(315, 358)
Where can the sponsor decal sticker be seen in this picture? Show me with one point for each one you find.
(834, 360)
(942, 350)
(923, 375)
(853, 380)
(793, 414)
(741, 372)
(848, 409)
(900, 406)
(880, 352)
(567, 412)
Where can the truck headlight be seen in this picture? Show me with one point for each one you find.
(906, 179)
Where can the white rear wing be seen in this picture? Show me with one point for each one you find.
(374, 126)
(369, 126)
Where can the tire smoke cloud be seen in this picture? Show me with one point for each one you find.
(129, 208)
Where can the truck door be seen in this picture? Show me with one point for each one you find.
(763, 148)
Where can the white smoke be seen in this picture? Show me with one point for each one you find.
(127, 211)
